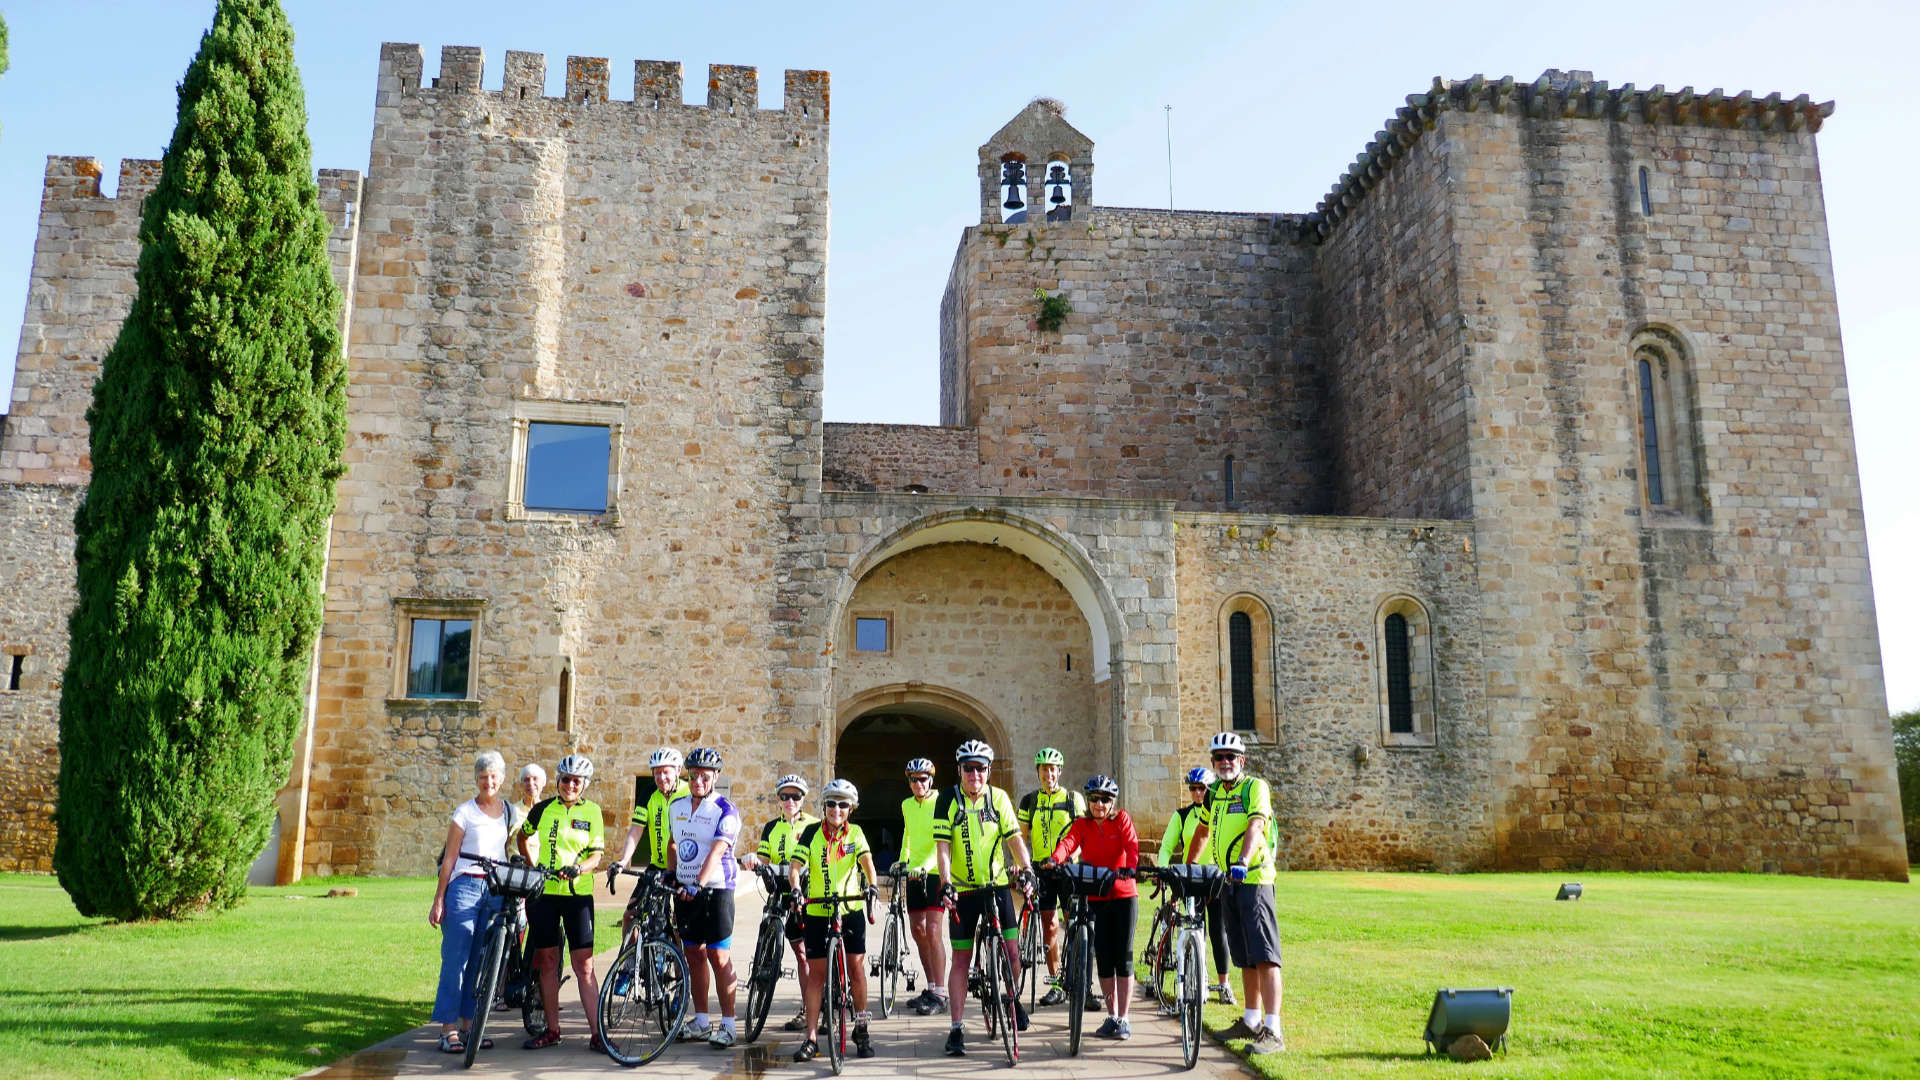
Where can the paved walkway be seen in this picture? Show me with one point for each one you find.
(908, 1045)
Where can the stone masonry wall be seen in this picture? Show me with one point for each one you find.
(646, 264)
(1387, 314)
(1188, 341)
(36, 595)
(1688, 691)
(896, 457)
(992, 625)
(1344, 798)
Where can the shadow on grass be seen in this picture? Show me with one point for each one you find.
(35, 933)
(1384, 1055)
(222, 1029)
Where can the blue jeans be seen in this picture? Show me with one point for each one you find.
(468, 910)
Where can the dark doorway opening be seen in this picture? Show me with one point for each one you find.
(873, 753)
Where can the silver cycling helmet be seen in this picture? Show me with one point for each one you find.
(576, 765)
(666, 755)
(790, 780)
(974, 750)
(841, 789)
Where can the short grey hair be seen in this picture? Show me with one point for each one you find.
(490, 762)
(533, 769)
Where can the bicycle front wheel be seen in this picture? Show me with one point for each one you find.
(484, 986)
(1163, 964)
(643, 1001)
(765, 973)
(1076, 973)
(1031, 949)
(1006, 998)
(533, 1014)
(834, 1004)
(889, 967)
(1192, 985)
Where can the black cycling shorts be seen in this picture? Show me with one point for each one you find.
(1253, 930)
(973, 904)
(707, 919)
(1113, 936)
(923, 892)
(853, 931)
(549, 913)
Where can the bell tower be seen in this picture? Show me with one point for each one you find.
(1036, 168)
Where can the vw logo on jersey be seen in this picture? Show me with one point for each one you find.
(688, 849)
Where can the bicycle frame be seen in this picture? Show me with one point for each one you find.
(519, 880)
(651, 961)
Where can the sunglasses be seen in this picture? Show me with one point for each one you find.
(573, 780)
(1229, 756)
(791, 796)
(973, 768)
(1197, 787)
(919, 779)
(837, 804)
(1100, 798)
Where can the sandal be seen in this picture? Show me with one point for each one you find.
(546, 1038)
(452, 1043)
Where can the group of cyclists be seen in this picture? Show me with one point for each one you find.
(967, 848)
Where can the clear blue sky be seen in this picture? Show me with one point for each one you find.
(1271, 101)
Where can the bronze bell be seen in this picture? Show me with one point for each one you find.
(1057, 180)
(1013, 177)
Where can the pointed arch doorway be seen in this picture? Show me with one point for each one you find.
(881, 729)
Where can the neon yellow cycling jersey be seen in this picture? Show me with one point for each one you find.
(1231, 808)
(567, 836)
(780, 838)
(833, 864)
(1179, 836)
(917, 848)
(1047, 817)
(974, 828)
(653, 818)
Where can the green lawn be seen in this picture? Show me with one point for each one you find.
(1649, 975)
(287, 981)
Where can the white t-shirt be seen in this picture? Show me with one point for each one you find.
(483, 835)
(695, 831)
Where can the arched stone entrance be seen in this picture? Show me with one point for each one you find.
(883, 728)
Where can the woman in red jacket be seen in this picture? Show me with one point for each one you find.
(1105, 838)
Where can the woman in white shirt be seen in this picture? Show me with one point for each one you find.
(462, 906)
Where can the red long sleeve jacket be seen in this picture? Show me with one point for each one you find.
(1111, 843)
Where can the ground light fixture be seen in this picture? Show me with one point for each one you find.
(1568, 891)
(1483, 1012)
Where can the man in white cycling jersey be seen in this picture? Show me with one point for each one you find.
(705, 829)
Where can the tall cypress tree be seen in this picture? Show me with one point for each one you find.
(217, 428)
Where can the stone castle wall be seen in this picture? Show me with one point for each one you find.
(1343, 796)
(1187, 343)
(36, 580)
(900, 457)
(1697, 687)
(644, 264)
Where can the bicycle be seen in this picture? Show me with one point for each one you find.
(1192, 885)
(769, 947)
(511, 880)
(991, 978)
(518, 971)
(645, 995)
(1032, 957)
(836, 991)
(1079, 883)
(891, 961)
(1160, 957)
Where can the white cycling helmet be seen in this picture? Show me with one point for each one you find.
(666, 755)
(576, 765)
(974, 750)
(790, 781)
(842, 789)
(920, 765)
(1202, 776)
(1228, 741)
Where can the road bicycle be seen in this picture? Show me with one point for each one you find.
(1160, 956)
(769, 947)
(889, 964)
(836, 1003)
(644, 996)
(990, 977)
(513, 881)
(1079, 883)
(1033, 949)
(1191, 886)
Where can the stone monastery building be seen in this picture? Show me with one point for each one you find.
(1506, 501)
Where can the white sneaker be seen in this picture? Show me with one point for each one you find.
(721, 1038)
(689, 1033)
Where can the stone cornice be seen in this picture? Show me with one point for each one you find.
(1557, 94)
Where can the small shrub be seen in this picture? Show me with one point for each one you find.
(1906, 756)
(1052, 310)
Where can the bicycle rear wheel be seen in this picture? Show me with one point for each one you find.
(1192, 983)
(1006, 994)
(1076, 985)
(643, 1001)
(765, 972)
(1031, 968)
(889, 967)
(484, 985)
(834, 1004)
(1162, 963)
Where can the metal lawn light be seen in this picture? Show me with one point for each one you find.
(1569, 891)
(1456, 1013)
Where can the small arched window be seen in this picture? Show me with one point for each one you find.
(1240, 660)
(1403, 633)
(1669, 474)
(1227, 472)
(563, 712)
(1058, 184)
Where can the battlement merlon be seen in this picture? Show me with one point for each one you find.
(1555, 94)
(731, 88)
(77, 176)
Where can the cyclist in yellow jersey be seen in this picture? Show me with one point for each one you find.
(970, 824)
(1047, 813)
(1174, 844)
(920, 861)
(650, 819)
(1239, 820)
(779, 839)
(838, 861)
(565, 834)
